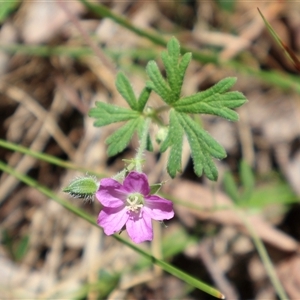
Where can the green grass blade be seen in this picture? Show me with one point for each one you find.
(46, 51)
(48, 158)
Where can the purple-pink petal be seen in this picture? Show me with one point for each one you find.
(111, 193)
(115, 215)
(112, 219)
(137, 182)
(158, 208)
(139, 229)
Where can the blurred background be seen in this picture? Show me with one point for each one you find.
(58, 57)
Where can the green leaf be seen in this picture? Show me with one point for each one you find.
(247, 179)
(174, 50)
(119, 140)
(107, 114)
(125, 89)
(170, 60)
(213, 101)
(143, 98)
(22, 248)
(171, 72)
(174, 140)
(186, 58)
(175, 70)
(231, 187)
(203, 147)
(158, 83)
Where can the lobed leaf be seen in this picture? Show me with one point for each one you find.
(169, 89)
(158, 83)
(105, 114)
(125, 89)
(203, 147)
(230, 187)
(174, 140)
(171, 73)
(143, 98)
(119, 140)
(213, 101)
(186, 58)
(174, 51)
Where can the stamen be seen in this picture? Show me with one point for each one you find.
(135, 203)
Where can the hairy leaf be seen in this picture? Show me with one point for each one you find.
(119, 140)
(158, 83)
(203, 146)
(169, 89)
(213, 101)
(105, 114)
(143, 98)
(125, 89)
(173, 140)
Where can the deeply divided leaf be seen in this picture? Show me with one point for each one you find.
(213, 101)
(143, 98)
(125, 89)
(174, 140)
(203, 146)
(157, 83)
(169, 89)
(119, 140)
(105, 114)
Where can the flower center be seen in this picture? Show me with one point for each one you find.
(134, 202)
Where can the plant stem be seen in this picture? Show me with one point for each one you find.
(143, 145)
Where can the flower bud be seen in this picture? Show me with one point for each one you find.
(83, 187)
(161, 134)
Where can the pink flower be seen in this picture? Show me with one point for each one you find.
(130, 204)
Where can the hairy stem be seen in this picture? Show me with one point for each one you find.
(143, 145)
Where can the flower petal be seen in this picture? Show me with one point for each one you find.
(158, 208)
(139, 228)
(112, 219)
(111, 193)
(137, 182)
